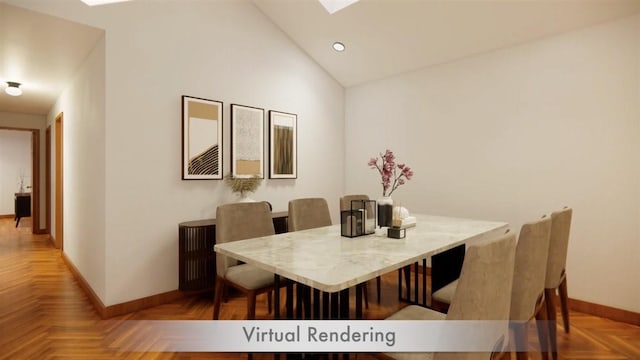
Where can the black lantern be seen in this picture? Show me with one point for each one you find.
(359, 220)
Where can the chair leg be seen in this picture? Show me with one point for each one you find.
(365, 291)
(543, 330)
(520, 337)
(378, 281)
(217, 298)
(549, 295)
(251, 305)
(564, 303)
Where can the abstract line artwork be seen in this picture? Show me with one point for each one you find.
(282, 145)
(201, 138)
(247, 141)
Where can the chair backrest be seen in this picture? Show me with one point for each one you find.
(345, 201)
(484, 288)
(558, 244)
(530, 268)
(240, 221)
(308, 213)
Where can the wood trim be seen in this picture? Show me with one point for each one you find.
(41, 232)
(106, 312)
(84, 285)
(47, 179)
(35, 182)
(143, 303)
(7, 216)
(604, 311)
(59, 175)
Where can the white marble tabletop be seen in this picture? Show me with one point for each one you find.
(324, 260)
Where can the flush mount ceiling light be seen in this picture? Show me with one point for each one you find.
(338, 46)
(13, 88)
(101, 2)
(333, 6)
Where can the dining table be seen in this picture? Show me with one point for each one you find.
(323, 261)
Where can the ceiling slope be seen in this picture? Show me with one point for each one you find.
(388, 37)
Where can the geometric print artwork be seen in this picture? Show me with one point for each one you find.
(201, 138)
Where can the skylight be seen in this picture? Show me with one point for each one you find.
(101, 2)
(333, 6)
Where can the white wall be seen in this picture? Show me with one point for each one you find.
(516, 133)
(155, 52)
(15, 166)
(29, 121)
(82, 104)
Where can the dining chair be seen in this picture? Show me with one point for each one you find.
(345, 204)
(308, 213)
(483, 293)
(556, 278)
(241, 221)
(527, 294)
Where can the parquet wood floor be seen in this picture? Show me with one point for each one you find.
(45, 315)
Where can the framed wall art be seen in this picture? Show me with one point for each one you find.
(283, 151)
(201, 138)
(247, 141)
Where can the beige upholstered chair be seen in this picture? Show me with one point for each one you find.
(241, 221)
(527, 295)
(308, 213)
(483, 293)
(556, 275)
(345, 204)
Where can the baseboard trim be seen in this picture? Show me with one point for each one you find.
(7, 216)
(41, 232)
(106, 312)
(604, 311)
(143, 303)
(84, 285)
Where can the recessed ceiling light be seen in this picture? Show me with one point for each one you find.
(338, 46)
(13, 88)
(101, 2)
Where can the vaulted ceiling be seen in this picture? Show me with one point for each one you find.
(382, 37)
(387, 37)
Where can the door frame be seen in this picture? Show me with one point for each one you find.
(47, 181)
(59, 219)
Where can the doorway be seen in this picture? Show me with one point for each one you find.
(35, 177)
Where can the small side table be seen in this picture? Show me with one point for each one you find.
(197, 260)
(22, 206)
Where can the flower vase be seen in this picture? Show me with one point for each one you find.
(385, 211)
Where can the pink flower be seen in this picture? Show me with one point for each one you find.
(390, 177)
